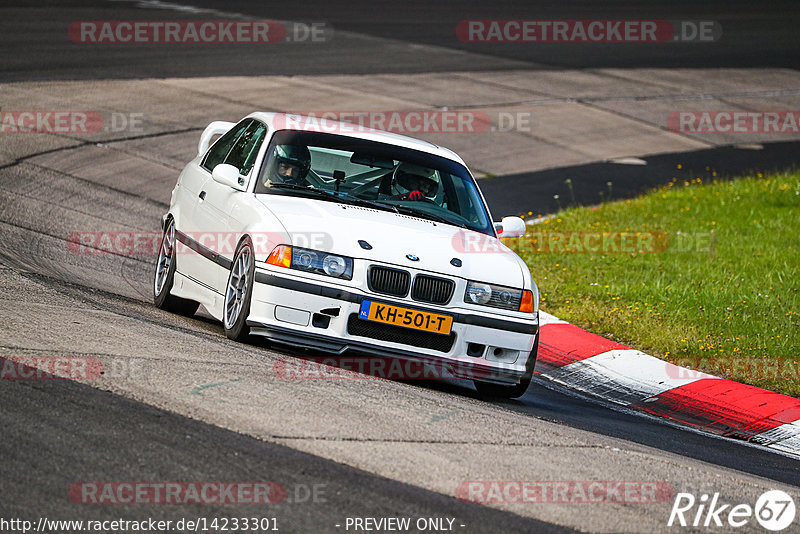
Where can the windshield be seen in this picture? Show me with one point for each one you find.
(345, 169)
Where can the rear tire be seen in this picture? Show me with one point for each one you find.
(487, 389)
(165, 275)
(239, 291)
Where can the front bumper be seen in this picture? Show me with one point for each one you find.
(303, 313)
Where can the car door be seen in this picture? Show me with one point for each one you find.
(217, 210)
(196, 222)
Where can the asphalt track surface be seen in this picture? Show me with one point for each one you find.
(94, 434)
(516, 193)
(422, 38)
(58, 432)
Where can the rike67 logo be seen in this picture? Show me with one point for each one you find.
(774, 510)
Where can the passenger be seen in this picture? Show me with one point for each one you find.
(414, 182)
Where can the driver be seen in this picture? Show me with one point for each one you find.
(414, 182)
(289, 165)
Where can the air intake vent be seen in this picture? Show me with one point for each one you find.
(432, 289)
(398, 334)
(388, 281)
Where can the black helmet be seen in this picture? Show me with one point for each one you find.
(294, 157)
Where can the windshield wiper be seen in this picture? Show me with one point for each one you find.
(351, 199)
(408, 210)
(308, 189)
(369, 203)
(339, 197)
(295, 187)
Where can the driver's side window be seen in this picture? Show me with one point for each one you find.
(238, 147)
(220, 150)
(245, 150)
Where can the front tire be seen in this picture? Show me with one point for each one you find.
(165, 275)
(487, 389)
(239, 291)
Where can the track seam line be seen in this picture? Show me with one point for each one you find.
(96, 184)
(433, 442)
(86, 143)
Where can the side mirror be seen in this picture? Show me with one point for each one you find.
(228, 175)
(510, 227)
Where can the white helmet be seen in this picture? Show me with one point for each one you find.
(409, 177)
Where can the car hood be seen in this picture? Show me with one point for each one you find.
(338, 228)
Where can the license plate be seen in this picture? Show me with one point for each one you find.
(416, 319)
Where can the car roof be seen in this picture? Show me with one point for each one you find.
(292, 121)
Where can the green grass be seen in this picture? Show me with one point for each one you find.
(721, 297)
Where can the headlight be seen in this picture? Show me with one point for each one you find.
(322, 263)
(507, 298)
(312, 261)
(304, 259)
(334, 265)
(478, 293)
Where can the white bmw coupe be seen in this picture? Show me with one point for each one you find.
(333, 237)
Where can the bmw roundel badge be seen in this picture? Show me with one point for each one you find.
(412, 257)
